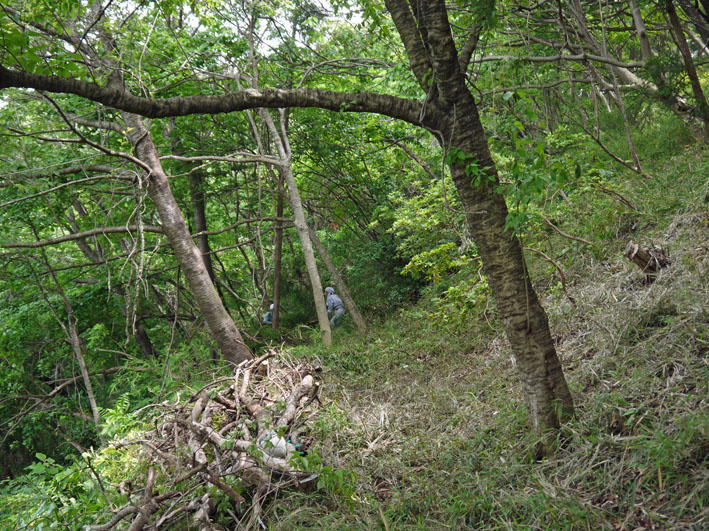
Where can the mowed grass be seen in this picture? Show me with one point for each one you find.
(431, 419)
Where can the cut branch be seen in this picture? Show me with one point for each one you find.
(256, 454)
(650, 261)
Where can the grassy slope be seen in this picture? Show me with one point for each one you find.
(432, 421)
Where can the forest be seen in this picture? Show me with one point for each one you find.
(368, 264)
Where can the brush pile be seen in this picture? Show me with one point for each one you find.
(219, 455)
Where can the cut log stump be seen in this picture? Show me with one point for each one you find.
(650, 260)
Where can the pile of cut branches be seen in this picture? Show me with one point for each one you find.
(219, 455)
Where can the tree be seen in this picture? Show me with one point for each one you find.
(189, 256)
(448, 111)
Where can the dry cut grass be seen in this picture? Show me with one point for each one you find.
(433, 424)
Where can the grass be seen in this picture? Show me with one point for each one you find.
(432, 419)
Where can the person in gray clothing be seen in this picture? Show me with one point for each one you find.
(268, 318)
(334, 305)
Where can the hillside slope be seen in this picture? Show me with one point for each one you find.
(431, 418)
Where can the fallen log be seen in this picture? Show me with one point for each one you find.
(649, 260)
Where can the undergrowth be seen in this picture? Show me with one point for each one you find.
(426, 415)
(431, 418)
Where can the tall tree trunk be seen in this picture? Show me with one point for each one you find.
(278, 254)
(429, 43)
(689, 65)
(199, 212)
(339, 284)
(218, 320)
(523, 317)
(301, 225)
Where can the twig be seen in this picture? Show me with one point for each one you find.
(562, 233)
(562, 277)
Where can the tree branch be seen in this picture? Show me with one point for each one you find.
(563, 57)
(118, 98)
(82, 235)
(64, 185)
(562, 233)
(406, 27)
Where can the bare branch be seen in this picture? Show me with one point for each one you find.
(64, 185)
(563, 57)
(562, 233)
(93, 144)
(242, 158)
(82, 235)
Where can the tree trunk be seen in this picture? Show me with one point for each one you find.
(427, 36)
(200, 221)
(339, 284)
(523, 317)
(278, 254)
(301, 227)
(689, 65)
(188, 255)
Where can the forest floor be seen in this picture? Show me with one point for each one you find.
(429, 415)
(422, 424)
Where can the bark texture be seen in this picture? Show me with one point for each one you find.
(121, 99)
(188, 255)
(426, 33)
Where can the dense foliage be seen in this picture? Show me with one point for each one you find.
(595, 120)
